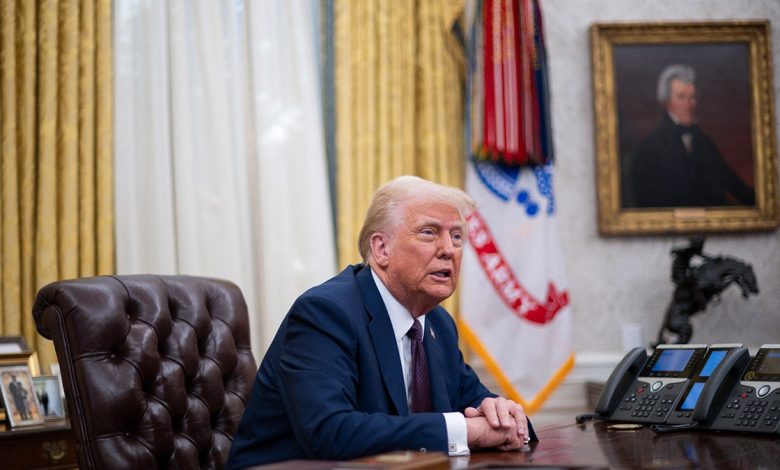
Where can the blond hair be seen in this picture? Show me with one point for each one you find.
(383, 213)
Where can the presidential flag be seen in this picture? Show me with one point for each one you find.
(515, 311)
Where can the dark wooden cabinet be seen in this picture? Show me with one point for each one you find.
(48, 446)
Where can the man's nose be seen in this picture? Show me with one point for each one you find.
(446, 246)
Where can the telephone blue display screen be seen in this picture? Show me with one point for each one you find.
(672, 360)
(712, 363)
(693, 396)
(770, 364)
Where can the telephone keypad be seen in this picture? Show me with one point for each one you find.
(650, 405)
(746, 411)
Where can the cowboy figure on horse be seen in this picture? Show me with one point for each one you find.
(697, 284)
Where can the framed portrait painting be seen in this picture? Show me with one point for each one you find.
(21, 406)
(685, 127)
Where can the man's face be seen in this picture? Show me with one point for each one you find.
(682, 102)
(423, 255)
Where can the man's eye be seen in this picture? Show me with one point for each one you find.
(427, 231)
(457, 239)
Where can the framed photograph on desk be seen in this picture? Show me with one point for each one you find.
(14, 351)
(12, 345)
(685, 127)
(49, 398)
(16, 385)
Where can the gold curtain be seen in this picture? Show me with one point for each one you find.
(398, 77)
(56, 125)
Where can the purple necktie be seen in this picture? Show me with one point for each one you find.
(421, 389)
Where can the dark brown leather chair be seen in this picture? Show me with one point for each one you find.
(156, 369)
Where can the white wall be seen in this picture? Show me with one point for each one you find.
(616, 280)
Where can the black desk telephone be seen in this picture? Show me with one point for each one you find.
(744, 396)
(717, 354)
(684, 386)
(649, 390)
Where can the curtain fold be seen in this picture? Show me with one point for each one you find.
(291, 211)
(56, 125)
(221, 125)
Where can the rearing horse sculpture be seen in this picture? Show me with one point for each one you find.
(697, 285)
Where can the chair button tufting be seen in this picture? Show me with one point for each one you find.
(164, 359)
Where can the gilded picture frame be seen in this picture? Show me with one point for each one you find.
(725, 177)
(18, 394)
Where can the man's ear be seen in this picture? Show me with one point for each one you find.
(380, 249)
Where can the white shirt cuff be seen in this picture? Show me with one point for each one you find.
(457, 436)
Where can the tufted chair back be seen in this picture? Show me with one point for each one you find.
(156, 369)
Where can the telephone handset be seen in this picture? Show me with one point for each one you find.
(723, 379)
(648, 392)
(709, 372)
(619, 381)
(745, 400)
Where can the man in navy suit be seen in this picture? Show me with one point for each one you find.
(337, 381)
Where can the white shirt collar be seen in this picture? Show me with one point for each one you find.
(400, 317)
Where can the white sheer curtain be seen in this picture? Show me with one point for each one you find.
(220, 165)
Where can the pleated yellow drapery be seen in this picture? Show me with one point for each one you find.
(398, 77)
(56, 129)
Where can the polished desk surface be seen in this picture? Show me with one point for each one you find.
(598, 445)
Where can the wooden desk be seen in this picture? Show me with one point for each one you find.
(49, 446)
(594, 445)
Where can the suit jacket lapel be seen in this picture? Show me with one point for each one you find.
(382, 336)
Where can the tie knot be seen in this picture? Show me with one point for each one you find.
(415, 332)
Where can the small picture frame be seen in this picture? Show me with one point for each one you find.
(12, 345)
(18, 392)
(47, 394)
(54, 367)
(14, 350)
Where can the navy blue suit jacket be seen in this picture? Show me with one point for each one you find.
(331, 387)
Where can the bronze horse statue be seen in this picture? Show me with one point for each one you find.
(696, 285)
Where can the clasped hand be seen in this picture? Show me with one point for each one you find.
(498, 423)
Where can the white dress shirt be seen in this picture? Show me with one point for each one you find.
(401, 318)
(686, 138)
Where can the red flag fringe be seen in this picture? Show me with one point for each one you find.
(509, 117)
